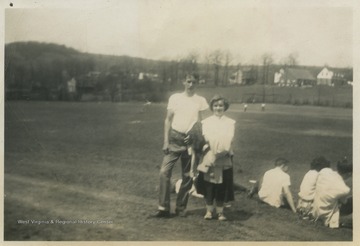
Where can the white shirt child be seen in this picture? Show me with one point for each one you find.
(307, 193)
(330, 188)
(308, 185)
(271, 191)
(219, 133)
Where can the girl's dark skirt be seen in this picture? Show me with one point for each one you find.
(223, 191)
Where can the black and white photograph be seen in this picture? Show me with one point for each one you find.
(179, 121)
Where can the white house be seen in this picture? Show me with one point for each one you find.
(151, 76)
(330, 77)
(278, 76)
(236, 78)
(71, 85)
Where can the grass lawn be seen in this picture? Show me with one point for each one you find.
(317, 95)
(92, 169)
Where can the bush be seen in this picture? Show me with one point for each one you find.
(296, 102)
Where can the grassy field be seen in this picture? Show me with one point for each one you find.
(89, 171)
(318, 95)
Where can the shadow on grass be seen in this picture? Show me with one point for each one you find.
(231, 214)
(238, 215)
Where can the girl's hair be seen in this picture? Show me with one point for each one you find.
(319, 163)
(219, 98)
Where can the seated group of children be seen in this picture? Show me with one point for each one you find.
(324, 194)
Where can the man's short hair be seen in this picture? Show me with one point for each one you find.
(281, 161)
(319, 163)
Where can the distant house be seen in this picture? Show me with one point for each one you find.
(298, 77)
(249, 75)
(279, 77)
(245, 75)
(71, 85)
(236, 78)
(151, 76)
(331, 77)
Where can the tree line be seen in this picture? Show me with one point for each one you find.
(45, 68)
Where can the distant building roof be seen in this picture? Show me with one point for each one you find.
(346, 73)
(299, 73)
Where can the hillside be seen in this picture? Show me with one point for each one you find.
(36, 70)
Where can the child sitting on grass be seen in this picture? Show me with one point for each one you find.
(331, 191)
(275, 186)
(308, 185)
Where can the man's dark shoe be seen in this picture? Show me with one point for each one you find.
(161, 214)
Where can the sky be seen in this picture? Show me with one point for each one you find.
(317, 33)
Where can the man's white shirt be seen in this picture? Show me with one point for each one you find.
(186, 110)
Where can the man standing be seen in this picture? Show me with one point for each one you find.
(183, 110)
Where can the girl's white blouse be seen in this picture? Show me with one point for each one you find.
(219, 132)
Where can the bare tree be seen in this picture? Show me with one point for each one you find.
(228, 59)
(190, 62)
(291, 60)
(216, 60)
(207, 61)
(267, 60)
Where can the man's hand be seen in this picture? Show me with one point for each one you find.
(187, 140)
(166, 148)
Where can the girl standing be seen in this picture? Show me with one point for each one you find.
(218, 131)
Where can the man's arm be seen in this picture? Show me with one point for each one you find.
(289, 198)
(167, 125)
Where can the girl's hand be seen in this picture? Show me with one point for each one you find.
(205, 148)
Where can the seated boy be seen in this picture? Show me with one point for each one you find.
(330, 192)
(308, 186)
(275, 186)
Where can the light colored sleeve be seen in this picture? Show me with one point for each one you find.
(341, 189)
(231, 129)
(230, 125)
(171, 102)
(205, 129)
(204, 105)
(286, 181)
